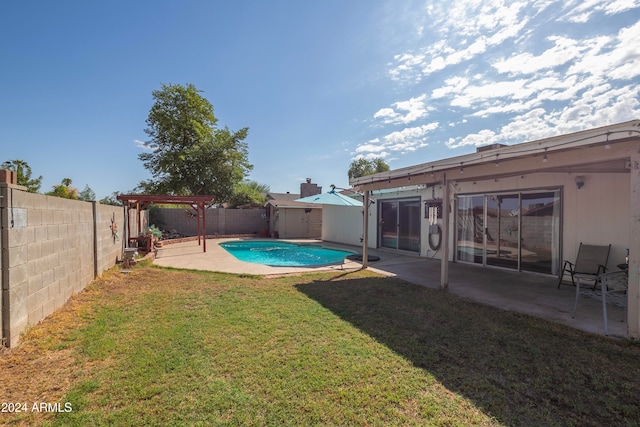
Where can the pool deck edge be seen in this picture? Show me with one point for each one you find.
(189, 255)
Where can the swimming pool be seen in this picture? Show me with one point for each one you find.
(282, 254)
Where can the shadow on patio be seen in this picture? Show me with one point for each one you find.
(533, 294)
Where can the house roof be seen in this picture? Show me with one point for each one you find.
(534, 153)
(282, 196)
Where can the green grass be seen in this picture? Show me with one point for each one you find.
(171, 347)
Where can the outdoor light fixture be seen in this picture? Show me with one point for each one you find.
(497, 162)
(544, 158)
(461, 168)
(579, 181)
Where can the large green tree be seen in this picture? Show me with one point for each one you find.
(23, 171)
(361, 167)
(249, 193)
(189, 154)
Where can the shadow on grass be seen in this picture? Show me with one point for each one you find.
(518, 369)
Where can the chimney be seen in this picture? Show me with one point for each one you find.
(309, 189)
(9, 177)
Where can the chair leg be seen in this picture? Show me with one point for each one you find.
(566, 270)
(575, 304)
(604, 311)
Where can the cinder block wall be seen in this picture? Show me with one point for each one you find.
(109, 241)
(218, 221)
(52, 248)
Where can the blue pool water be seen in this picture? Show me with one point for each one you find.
(283, 254)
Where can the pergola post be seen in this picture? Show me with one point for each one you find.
(204, 227)
(197, 208)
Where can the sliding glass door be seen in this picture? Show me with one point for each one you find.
(388, 236)
(503, 217)
(470, 222)
(400, 224)
(519, 230)
(540, 249)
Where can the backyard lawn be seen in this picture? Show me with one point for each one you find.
(173, 347)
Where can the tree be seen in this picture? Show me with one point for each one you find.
(64, 189)
(112, 200)
(23, 172)
(362, 167)
(87, 194)
(190, 155)
(249, 193)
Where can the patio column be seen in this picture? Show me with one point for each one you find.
(365, 231)
(633, 311)
(444, 262)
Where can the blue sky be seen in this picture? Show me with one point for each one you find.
(318, 83)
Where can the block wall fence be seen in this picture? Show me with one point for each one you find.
(222, 222)
(51, 249)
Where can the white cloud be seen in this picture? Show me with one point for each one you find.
(369, 148)
(563, 51)
(371, 156)
(406, 140)
(484, 137)
(142, 145)
(508, 73)
(465, 29)
(581, 11)
(404, 112)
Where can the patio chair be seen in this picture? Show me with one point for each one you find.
(613, 290)
(590, 263)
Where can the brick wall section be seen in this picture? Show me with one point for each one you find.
(219, 221)
(49, 253)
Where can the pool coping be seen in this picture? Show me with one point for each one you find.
(189, 255)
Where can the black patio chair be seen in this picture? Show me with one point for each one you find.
(590, 263)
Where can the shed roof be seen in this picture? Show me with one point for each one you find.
(292, 204)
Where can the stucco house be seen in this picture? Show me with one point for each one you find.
(524, 207)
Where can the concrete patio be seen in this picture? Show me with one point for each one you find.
(531, 294)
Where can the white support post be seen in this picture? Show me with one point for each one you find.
(633, 295)
(365, 231)
(444, 262)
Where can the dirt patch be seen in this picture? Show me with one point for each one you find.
(43, 367)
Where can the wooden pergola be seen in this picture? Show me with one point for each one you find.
(141, 201)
